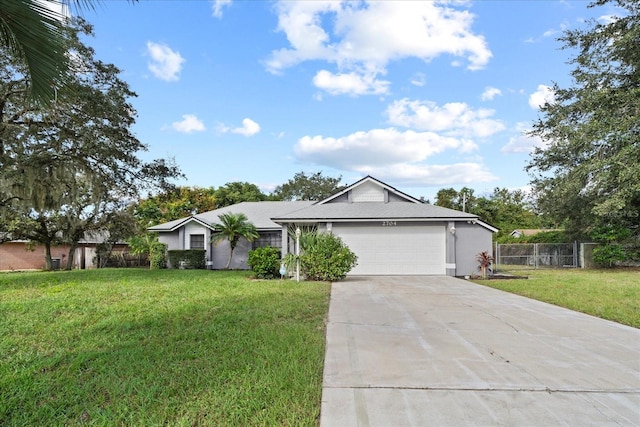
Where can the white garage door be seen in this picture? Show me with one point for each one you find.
(395, 250)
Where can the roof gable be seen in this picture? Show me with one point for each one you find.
(370, 199)
(174, 225)
(369, 189)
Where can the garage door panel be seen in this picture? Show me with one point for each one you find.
(395, 250)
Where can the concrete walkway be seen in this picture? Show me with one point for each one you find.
(439, 351)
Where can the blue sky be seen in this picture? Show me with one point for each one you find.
(421, 95)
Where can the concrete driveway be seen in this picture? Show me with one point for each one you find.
(439, 351)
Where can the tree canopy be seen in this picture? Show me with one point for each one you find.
(236, 192)
(503, 208)
(174, 204)
(308, 187)
(587, 173)
(67, 166)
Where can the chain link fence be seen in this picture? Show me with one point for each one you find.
(536, 255)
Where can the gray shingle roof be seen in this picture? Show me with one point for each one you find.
(372, 210)
(258, 213)
(267, 215)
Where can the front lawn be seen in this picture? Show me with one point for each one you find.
(160, 347)
(612, 294)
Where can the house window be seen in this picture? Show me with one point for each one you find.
(196, 241)
(273, 239)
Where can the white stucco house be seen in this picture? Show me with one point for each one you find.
(391, 232)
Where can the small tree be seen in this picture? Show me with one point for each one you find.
(232, 227)
(148, 243)
(485, 260)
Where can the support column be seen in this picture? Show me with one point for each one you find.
(450, 243)
(285, 241)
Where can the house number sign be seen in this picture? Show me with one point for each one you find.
(388, 223)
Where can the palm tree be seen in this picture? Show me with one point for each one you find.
(34, 31)
(232, 227)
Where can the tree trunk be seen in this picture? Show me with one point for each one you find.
(72, 252)
(229, 261)
(232, 246)
(47, 257)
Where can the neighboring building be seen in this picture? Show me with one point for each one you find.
(20, 255)
(526, 232)
(391, 232)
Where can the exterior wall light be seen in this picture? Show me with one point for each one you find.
(452, 230)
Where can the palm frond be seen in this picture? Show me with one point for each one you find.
(34, 31)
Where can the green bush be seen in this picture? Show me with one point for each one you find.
(157, 255)
(188, 258)
(265, 262)
(608, 254)
(327, 258)
(611, 251)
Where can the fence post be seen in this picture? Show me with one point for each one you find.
(582, 260)
(535, 256)
(575, 254)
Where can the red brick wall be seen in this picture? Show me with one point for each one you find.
(14, 256)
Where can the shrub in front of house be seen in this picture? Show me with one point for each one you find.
(265, 262)
(189, 258)
(327, 258)
(158, 256)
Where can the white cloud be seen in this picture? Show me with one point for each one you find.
(490, 93)
(248, 128)
(373, 147)
(419, 175)
(218, 6)
(452, 119)
(394, 155)
(418, 79)
(350, 83)
(521, 142)
(363, 37)
(165, 64)
(190, 123)
(541, 96)
(551, 32)
(608, 19)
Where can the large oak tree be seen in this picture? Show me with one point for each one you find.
(587, 174)
(65, 167)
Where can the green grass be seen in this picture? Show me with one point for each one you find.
(612, 294)
(168, 347)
